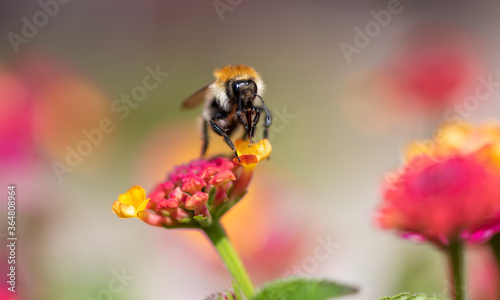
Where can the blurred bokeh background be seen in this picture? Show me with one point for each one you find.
(349, 84)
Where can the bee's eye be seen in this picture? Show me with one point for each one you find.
(238, 85)
(243, 86)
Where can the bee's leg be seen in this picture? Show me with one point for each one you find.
(244, 123)
(268, 120)
(255, 121)
(205, 138)
(223, 133)
(241, 119)
(241, 116)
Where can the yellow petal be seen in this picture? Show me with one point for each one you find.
(134, 196)
(453, 136)
(116, 207)
(491, 130)
(131, 203)
(143, 205)
(261, 150)
(123, 210)
(490, 154)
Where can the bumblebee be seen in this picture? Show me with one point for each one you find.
(230, 103)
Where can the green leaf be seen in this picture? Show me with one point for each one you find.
(203, 221)
(301, 288)
(408, 296)
(199, 218)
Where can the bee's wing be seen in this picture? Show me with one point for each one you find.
(196, 98)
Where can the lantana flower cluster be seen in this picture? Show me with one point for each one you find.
(196, 193)
(448, 189)
(185, 196)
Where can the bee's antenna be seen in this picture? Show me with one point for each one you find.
(268, 115)
(255, 94)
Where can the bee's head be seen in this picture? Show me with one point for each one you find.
(244, 90)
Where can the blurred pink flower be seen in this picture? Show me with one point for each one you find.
(44, 107)
(17, 149)
(448, 187)
(443, 201)
(64, 103)
(438, 66)
(433, 67)
(6, 294)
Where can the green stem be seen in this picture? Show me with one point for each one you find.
(218, 236)
(495, 247)
(456, 260)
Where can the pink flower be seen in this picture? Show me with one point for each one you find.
(197, 192)
(449, 199)
(437, 66)
(185, 198)
(221, 182)
(17, 147)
